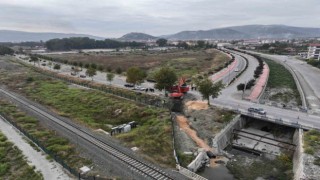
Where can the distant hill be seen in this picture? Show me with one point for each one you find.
(227, 33)
(21, 36)
(135, 36)
(247, 32)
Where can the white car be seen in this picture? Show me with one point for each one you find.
(236, 70)
(139, 88)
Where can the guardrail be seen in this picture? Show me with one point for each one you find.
(296, 79)
(280, 121)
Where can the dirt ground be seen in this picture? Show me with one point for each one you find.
(184, 125)
(200, 123)
(184, 62)
(197, 105)
(282, 97)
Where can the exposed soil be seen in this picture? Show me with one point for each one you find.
(184, 62)
(280, 97)
(184, 125)
(196, 105)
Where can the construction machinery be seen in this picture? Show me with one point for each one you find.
(178, 91)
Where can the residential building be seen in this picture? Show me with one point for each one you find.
(314, 51)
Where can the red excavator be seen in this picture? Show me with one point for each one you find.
(178, 91)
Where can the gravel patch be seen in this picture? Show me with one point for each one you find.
(49, 170)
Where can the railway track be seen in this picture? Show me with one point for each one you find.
(143, 168)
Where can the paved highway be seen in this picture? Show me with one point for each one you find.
(231, 98)
(308, 77)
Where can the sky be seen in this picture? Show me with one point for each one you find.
(114, 18)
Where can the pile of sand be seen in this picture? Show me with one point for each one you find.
(197, 105)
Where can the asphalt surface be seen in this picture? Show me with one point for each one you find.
(226, 75)
(307, 75)
(229, 98)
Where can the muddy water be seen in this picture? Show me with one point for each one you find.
(218, 173)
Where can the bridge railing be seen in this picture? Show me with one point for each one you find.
(281, 121)
(276, 120)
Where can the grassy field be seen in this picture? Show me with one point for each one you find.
(99, 110)
(13, 164)
(280, 168)
(280, 78)
(186, 63)
(311, 142)
(48, 138)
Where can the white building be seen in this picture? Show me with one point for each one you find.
(314, 51)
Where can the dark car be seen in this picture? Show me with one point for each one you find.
(83, 76)
(128, 85)
(251, 109)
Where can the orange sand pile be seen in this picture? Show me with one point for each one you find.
(197, 105)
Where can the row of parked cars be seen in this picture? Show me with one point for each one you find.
(138, 88)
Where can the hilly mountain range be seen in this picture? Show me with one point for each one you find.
(227, 33)
(21, 36)
(135, 36)
(248, 32)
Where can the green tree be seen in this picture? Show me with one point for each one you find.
(240, 87)
(110, 77)
(34, 59)
(135, 75)
(6, 50)
(118, 70)
(161, 42)
(207, 89)
(93, 65)
(201, 44)
(91, 72)
(57, 66)
(165, 78)
(50, 64)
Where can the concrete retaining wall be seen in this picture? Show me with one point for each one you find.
(224, 138)
(298, 155)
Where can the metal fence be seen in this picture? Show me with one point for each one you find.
(72, 171)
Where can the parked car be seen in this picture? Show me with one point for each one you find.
(257, 110)
(139, 88)
(83, 76)
(73, 73)
(128, 85)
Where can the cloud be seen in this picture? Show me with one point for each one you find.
(111, 18)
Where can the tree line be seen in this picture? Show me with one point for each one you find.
(66, 44)
(6, 50)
